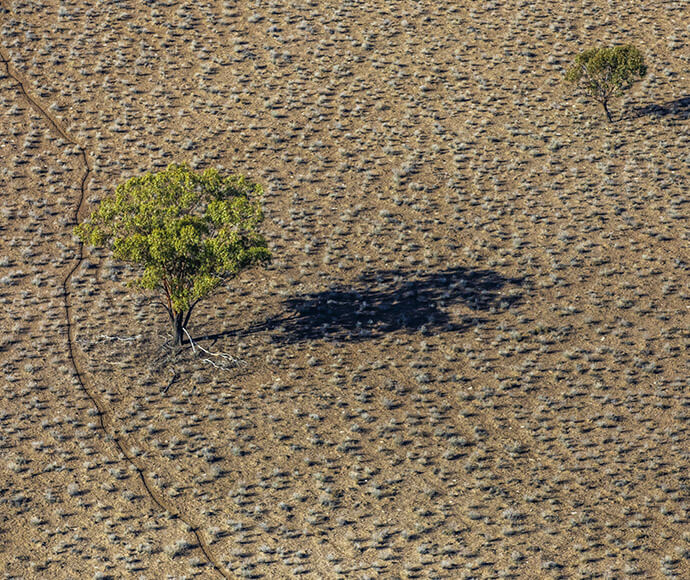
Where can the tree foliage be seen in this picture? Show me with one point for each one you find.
(188, 232)
(607, 72)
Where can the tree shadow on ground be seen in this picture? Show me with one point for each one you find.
(385, 301)
(678, 108)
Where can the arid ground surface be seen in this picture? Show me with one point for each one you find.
(469, 358)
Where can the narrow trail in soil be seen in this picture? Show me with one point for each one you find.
(104, 418)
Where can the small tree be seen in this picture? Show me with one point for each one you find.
(187, 230)
(607, 72)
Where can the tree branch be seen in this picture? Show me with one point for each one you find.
(169, 307)
(121, 339)
(189, 312)
(172, 380)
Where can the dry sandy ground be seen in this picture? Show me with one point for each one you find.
(470, 356)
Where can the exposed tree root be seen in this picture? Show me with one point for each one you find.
(227, 362)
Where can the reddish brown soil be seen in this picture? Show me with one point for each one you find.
(469, 358)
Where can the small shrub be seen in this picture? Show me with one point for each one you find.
(607, 72)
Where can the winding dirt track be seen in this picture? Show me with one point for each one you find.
(104, 417)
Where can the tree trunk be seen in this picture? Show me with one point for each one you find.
(606, 108)
(178, 325)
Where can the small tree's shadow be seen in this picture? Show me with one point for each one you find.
(678, 108)
(391, 300)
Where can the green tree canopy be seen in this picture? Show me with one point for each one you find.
(607, 72)
(188, 231)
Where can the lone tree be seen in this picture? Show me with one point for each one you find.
(187, 230)
(607, 72)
